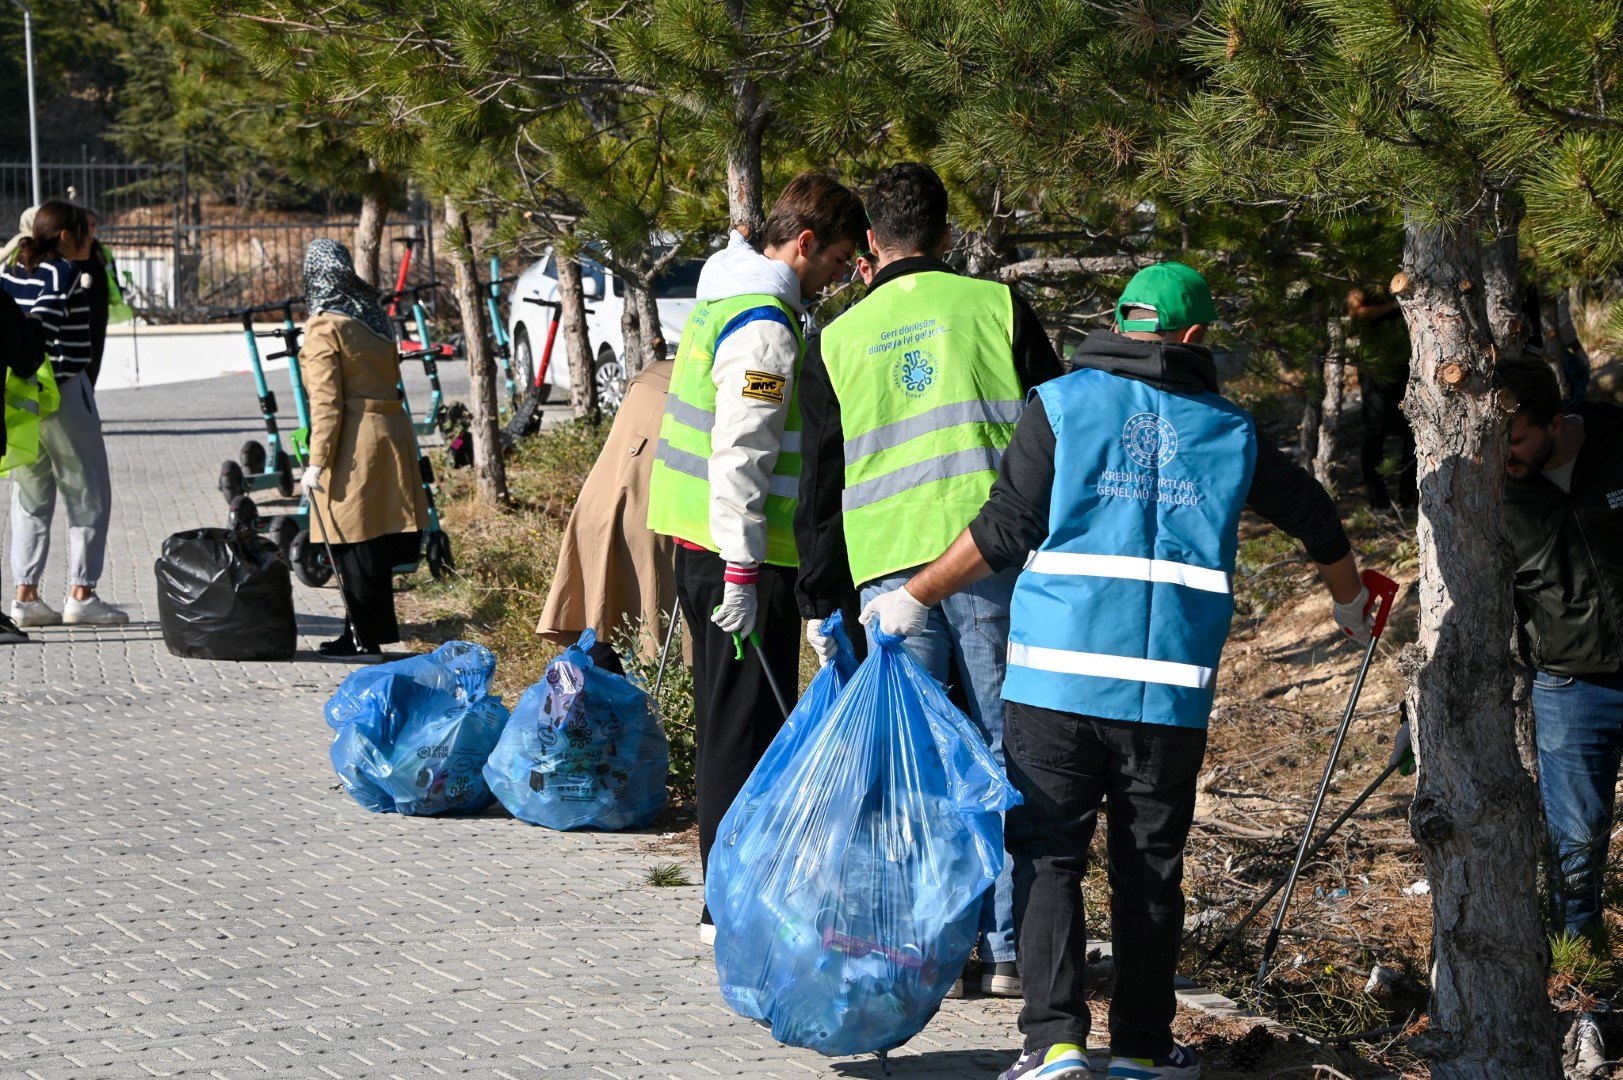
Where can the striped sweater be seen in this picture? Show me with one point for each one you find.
(53, 294)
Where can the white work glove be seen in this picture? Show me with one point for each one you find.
(311, 480)
(897, 612)
(736, 615)
(1400, 745)
(824, 646)
(1355, 618)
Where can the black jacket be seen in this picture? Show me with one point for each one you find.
(1569, 555)
(1014, 520)
(825, 569)
(22, 348)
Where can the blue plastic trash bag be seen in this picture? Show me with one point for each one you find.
(846, 879)
(413, 734)
(584, 750)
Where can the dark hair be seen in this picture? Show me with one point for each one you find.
(51, 220)
(1538, 395)
(908, 206)
(815, 201)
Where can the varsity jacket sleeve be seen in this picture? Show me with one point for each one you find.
(825, 569)
(1015, 518)
(754, 373)
(1034, 358)
(1287, 495)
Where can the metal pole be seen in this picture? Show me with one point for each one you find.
(33, 113)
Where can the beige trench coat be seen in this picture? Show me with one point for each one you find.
(611, 568)
(360, 434)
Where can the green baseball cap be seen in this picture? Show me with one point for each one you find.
(1176, 293)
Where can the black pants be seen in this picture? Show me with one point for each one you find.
(735, 714)
(1383, 417)
(1064, 765)
(366, 576)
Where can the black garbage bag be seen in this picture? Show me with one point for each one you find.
(225, 595)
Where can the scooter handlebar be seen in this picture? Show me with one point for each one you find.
(1382, 591)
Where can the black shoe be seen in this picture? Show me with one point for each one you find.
(346, 646)
(1001, 980)
(10, 633)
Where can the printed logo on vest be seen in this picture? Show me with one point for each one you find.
(1149, 440)
(914, 373)
(764, 386)
(1614, 499)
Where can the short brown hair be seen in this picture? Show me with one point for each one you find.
(816, 201)
(1538, 395)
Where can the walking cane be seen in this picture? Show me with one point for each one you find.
(326, 542)
(1382, 591)
(665, 653)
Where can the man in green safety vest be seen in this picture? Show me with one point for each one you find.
(907, 402)
(724, 478)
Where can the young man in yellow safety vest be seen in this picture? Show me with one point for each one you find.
(907, 401)
(724, 482)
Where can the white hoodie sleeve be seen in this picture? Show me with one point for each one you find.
(754, 372)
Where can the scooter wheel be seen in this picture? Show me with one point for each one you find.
(282, 529)
(284, 474)
(244, 514)
(309, 559)
(231, 482)
(252, 457)
(438, 553)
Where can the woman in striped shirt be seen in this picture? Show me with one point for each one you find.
(73, 456)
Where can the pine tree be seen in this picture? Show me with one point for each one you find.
(1479, 122)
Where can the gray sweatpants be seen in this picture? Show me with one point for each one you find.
(72, 458)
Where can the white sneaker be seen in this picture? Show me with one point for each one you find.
(707, 934)
(34, 613)
(92, 612)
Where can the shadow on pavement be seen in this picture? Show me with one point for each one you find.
(933, 1063)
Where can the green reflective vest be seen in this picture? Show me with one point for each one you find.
(679, 491)
(923, 368)
(27, 402)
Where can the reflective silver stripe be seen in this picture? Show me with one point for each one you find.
(689, 415)
(696, 418)
(1105, 666)
(945, 467)
(784, 487)
(1076, 564)
(937, 419)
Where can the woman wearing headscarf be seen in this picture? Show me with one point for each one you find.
(362, 478)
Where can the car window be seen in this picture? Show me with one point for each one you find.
(551, 269)
(679, 281)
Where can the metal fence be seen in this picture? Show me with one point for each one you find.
(186, 258)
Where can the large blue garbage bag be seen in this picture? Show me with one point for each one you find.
(584, 749)
(846, 879)
(413, 734)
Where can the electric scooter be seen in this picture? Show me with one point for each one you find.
(249, 472)
(499, 336)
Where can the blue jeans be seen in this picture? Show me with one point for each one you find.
(1580, 743)
(969, 632)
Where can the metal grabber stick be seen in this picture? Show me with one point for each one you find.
(760, 655)
(1382, 591)
(665, 652)
(326, 542)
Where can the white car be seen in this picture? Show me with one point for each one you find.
(529, 322)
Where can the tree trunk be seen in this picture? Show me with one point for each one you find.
(631, 329)
(1502, 292)
(571, 317)
(489, 470)
(1335, 388)
(1549, 318)
(744, 183)
(369, 230)
(654, 345)
(1475, 813)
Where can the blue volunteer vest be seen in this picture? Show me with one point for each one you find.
(1124, 609)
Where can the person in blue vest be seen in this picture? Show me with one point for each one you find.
(907, 400)
(1120, 495)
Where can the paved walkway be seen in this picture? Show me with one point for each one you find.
(186, 892)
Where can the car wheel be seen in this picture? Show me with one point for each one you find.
(610, 376)
(524, 366)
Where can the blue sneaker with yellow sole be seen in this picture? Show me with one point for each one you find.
(1181, 1064)
(1050, 1063)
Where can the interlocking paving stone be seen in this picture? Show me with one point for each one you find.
(187, 893)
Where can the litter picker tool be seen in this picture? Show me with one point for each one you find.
(326, 542)
(766, 669)
(665, 653)
(1382, 591)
